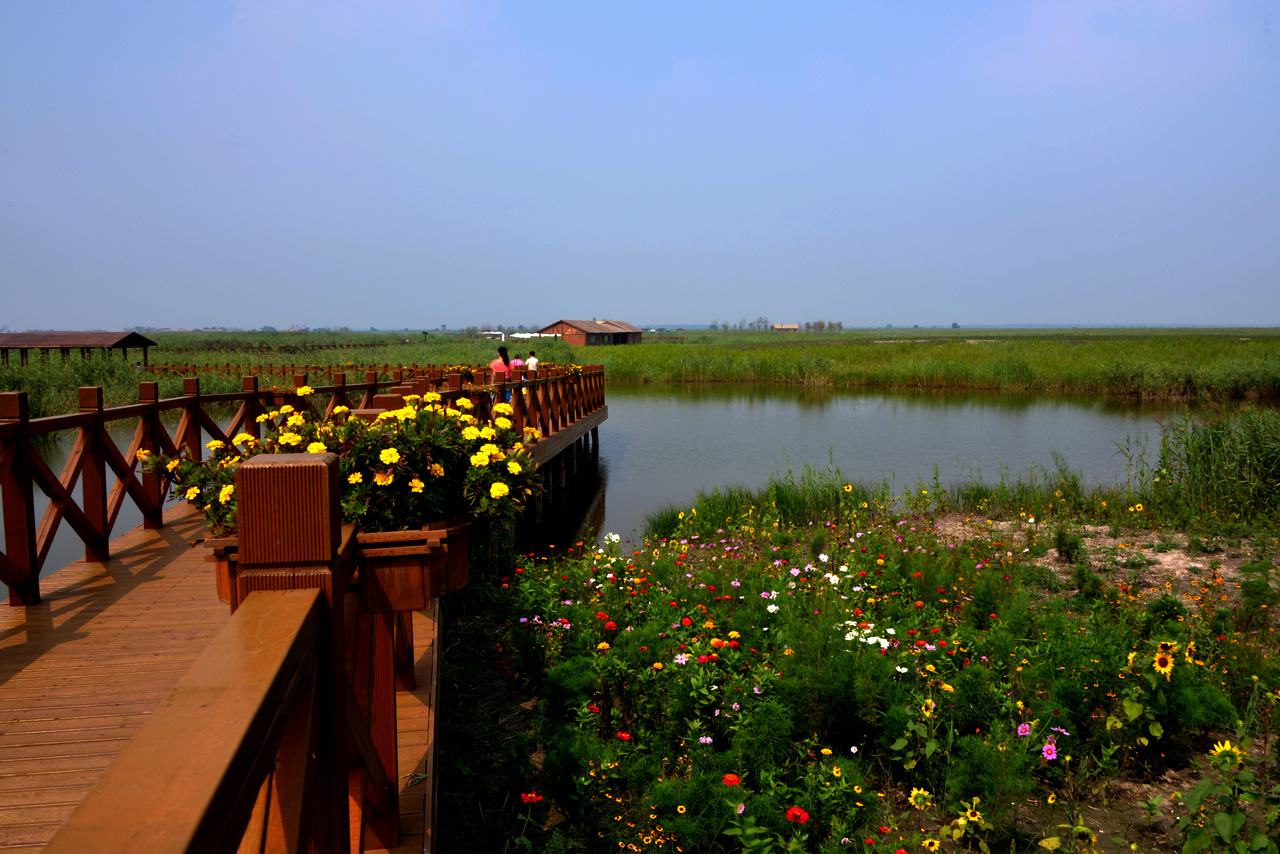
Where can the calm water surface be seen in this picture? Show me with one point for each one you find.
(662, 445)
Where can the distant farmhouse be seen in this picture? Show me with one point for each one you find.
(590, 332)
(65, 342)
(785, 327)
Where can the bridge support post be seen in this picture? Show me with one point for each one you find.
(20, 570)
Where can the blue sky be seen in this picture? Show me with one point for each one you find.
(416, 163)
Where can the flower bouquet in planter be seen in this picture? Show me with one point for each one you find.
(409, 479)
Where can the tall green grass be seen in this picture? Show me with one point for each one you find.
(1210, 473)
(1191, 366)
(1228, 466)
(52, 386)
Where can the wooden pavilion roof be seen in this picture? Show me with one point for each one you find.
(601, 326)
(58, 340)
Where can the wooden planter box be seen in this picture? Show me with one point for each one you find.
(399, 570)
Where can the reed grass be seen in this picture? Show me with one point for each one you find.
(1210, 474)
(1199, 365)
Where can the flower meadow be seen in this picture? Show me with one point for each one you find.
(867, 683)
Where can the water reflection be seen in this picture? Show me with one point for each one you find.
(664, 444)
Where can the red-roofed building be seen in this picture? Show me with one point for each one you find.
(581, 333)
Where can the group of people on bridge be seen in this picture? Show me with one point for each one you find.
(504, 363)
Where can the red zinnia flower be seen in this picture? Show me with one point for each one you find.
(530, 797)
(623, 735)
(797, 815)
(732, 780)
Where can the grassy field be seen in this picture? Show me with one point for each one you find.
(1201, 364)
(1173, 364)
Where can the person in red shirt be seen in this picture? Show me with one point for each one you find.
(501, 365)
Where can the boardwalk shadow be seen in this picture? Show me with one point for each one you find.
(81, 591)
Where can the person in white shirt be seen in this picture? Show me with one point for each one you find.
(531, 363)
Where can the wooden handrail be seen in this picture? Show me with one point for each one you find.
(550, 402)
(241, 737)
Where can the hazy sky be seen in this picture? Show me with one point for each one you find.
(417, 163)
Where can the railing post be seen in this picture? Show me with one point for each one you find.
(152, 484)
(189, 436)
(249, 388)
(289, 538)
(19, 501)
(93, 475)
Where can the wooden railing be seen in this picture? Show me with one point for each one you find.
(282, 735)
(550, 401)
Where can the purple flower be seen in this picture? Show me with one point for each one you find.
(1024, 730)
(1049, 751)
(1060, 730)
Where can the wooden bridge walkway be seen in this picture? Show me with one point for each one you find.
(81, 672)
(137, 709)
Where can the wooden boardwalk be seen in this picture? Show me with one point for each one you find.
(81, 672)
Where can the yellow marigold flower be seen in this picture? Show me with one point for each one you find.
(464, 418)
(502, 409)
(224, 494)
(514, 467)
(416, 485)
(479, 460)
(430, 397)
(407, 413)
(502, 423)
(532, 431)
(192, 493)
(341, 410)
(216, 445)
(290, 439)
(487, 432)
(657, 665)
(437, 470)
(389, 456)
(316, 448)
(498, 489)
(243, 439)
(304, 390)
(471, 433)
(284, 410)
(734, 635)
(172, 465)
(412, 398)
(490, 448)
(383, 478)
(463, 402)
(355, 477)
(451, 412)
(602, 645)
(263, 417)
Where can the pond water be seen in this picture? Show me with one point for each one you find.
(664, 444)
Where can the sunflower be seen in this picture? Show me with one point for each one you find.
(930, 845)
(920, 798)
(1163, 664)
(1168, 647)
(1224, 747)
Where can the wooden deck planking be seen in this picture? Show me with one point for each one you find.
(80, 672)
